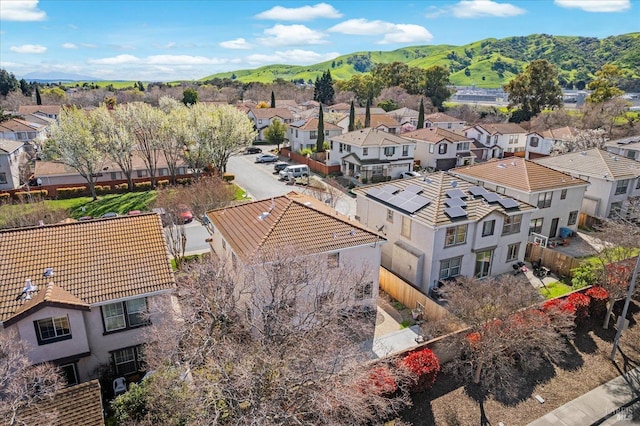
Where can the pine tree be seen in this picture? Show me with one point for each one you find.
(367, 115)
(320, 140)
(323, 91)
(421, 115)
(273, 100)
(352, 117)
(24, 88)
(38, 97)
(140, 86)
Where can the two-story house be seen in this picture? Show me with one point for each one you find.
(248, 236)
(625, 147)
(79, 293)
(440, 149)
(264, 117)
(444, 121)
(379, 121)
(405, 116)
(371, 154)
(548, 141)
(441, 226)
(304, 133)
(11, 158)
(614, 180)
(557, 195)
(23, 131)
(499, 137)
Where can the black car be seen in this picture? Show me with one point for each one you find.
(252, 150)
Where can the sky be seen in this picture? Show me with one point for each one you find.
(156, 40)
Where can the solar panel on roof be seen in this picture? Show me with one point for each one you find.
(384, 196)
(401, 197)
(455, 193)
(414, 189)
(455, 212)
(414, 204)
(508, 203)
(477, 190)
(455, 202)
(389, 188)
(491, 197)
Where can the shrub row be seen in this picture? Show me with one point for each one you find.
(71, 192)
(592, 303)
(39, 193)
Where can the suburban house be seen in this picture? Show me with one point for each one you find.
(73, 406)
(340, 108)
(381, 121)
(440, 226)
(443, 121)
(557, 195)
(626, 147)
(405, 116)
(12, 156)
(50, 111)
(79, 293)
(499, 137)
(371, 154)
(549, 141)
(440, 149)
(23, 131)
(263, 117)
(245, 235)
(614, 180)
(304, 133)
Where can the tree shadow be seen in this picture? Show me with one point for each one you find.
(522, 387)
(420, 412)
(631, 312)
(607, 335)
(571, 360)
(583, 341)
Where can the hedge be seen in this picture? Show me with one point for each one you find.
(71, 192)
(163, 182)
(228, 177)
(142, 186)
(4, 196)
(40, 193)
(122, 187)
(425, 367)
(184, 181)
(103, 189)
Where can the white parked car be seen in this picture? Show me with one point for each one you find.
(409, 175)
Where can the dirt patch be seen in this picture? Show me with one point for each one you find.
(585, 367)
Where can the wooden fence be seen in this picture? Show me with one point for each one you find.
(409, 296)
(560, 264)
(315, 166)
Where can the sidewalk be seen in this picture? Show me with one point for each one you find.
(610, 404)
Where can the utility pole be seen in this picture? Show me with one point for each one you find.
(632, 286)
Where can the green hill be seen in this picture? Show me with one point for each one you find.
(485, 63)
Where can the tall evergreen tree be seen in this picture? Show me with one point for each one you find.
(8, 82)
(24, 88)
(140, 86)
(421, 115)
(273, 100)
(324, 91)
(352, 117)
(320, 140)
(367, 114)
(38, 97)
(436, 81)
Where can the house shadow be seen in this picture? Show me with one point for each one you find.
(421, 413)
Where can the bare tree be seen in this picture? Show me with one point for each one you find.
(174, 133)
(552, 120)
(464, 112)
(270, 343)
(23, 386)
(144, 122)
(330, 192)
(605, 115)
(207, 193)
(505, 338)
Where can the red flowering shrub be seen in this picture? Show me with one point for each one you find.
(381, 381)
(561, 304)
(581, 303)
(599, 297)
(424, 365)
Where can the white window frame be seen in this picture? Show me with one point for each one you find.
(457, 236)
(544, 199)
(513, 250)
(485, 232)
(60, 326)
(511, 224)
(125, 315)
(448, 266)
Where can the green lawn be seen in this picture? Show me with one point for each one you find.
(554, 289)
(119, 203)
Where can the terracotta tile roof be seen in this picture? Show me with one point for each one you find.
(94, 261)
(518, 173)
(340, 107)
(439, 117)
(79, 405)
(501, 128)
(372, 110)
(284, 103)
(434, 187)
(594, 162)
(266, 113)
(294, 221)
(379, 120)
(8, 146)
(51, 295)
(312, 124)
(32, 109)
(561, 133)
(370, 137)
(17, 125)
(434, 135)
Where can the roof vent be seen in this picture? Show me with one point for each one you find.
(263, 215)
(427, 180)
(27, 291)
(502, 166)
(454, 183)
(48, 272)
(583, 153)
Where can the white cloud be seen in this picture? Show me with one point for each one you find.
(304, 13)
(293, 56)
(407, 33)
(116, 60)
(169, 45)
(69, 46)
(238, 43)
(393, 33)
(28, 48)
(89, 45)
(182, 60)
(21, 10)
(485, 8)
(596, 5)
(291, 35)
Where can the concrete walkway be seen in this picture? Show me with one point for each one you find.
(613, 403)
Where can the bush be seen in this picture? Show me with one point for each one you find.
(142, 186)
(562, 304)
(37, 194)
(425, 367)
(72, 192)
(4, 197)
(581, 303)
(122, 187)
(103, 189)
(228, 177)
(184, 181)
(163, 182)
(306, 151)
(599, 298)
(583, 276)
(380, 381)
(364, 180)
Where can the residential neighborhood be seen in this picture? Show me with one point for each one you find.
(321, 214)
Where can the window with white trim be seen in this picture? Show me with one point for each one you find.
(533, 142)
(450, 267)
(389, 151)
(128, 360)
(125, 315)
(544, 199)
(563, 194)
(455, 235)
(511, 224)
(430, 148)
(622, 186)
(512, 252)
(405, 150)
(442, 148)
(365, 152)
(462, 146)
(535, 225)
(513, 139)
(488, 227)
(389, 215)
(54, 329)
